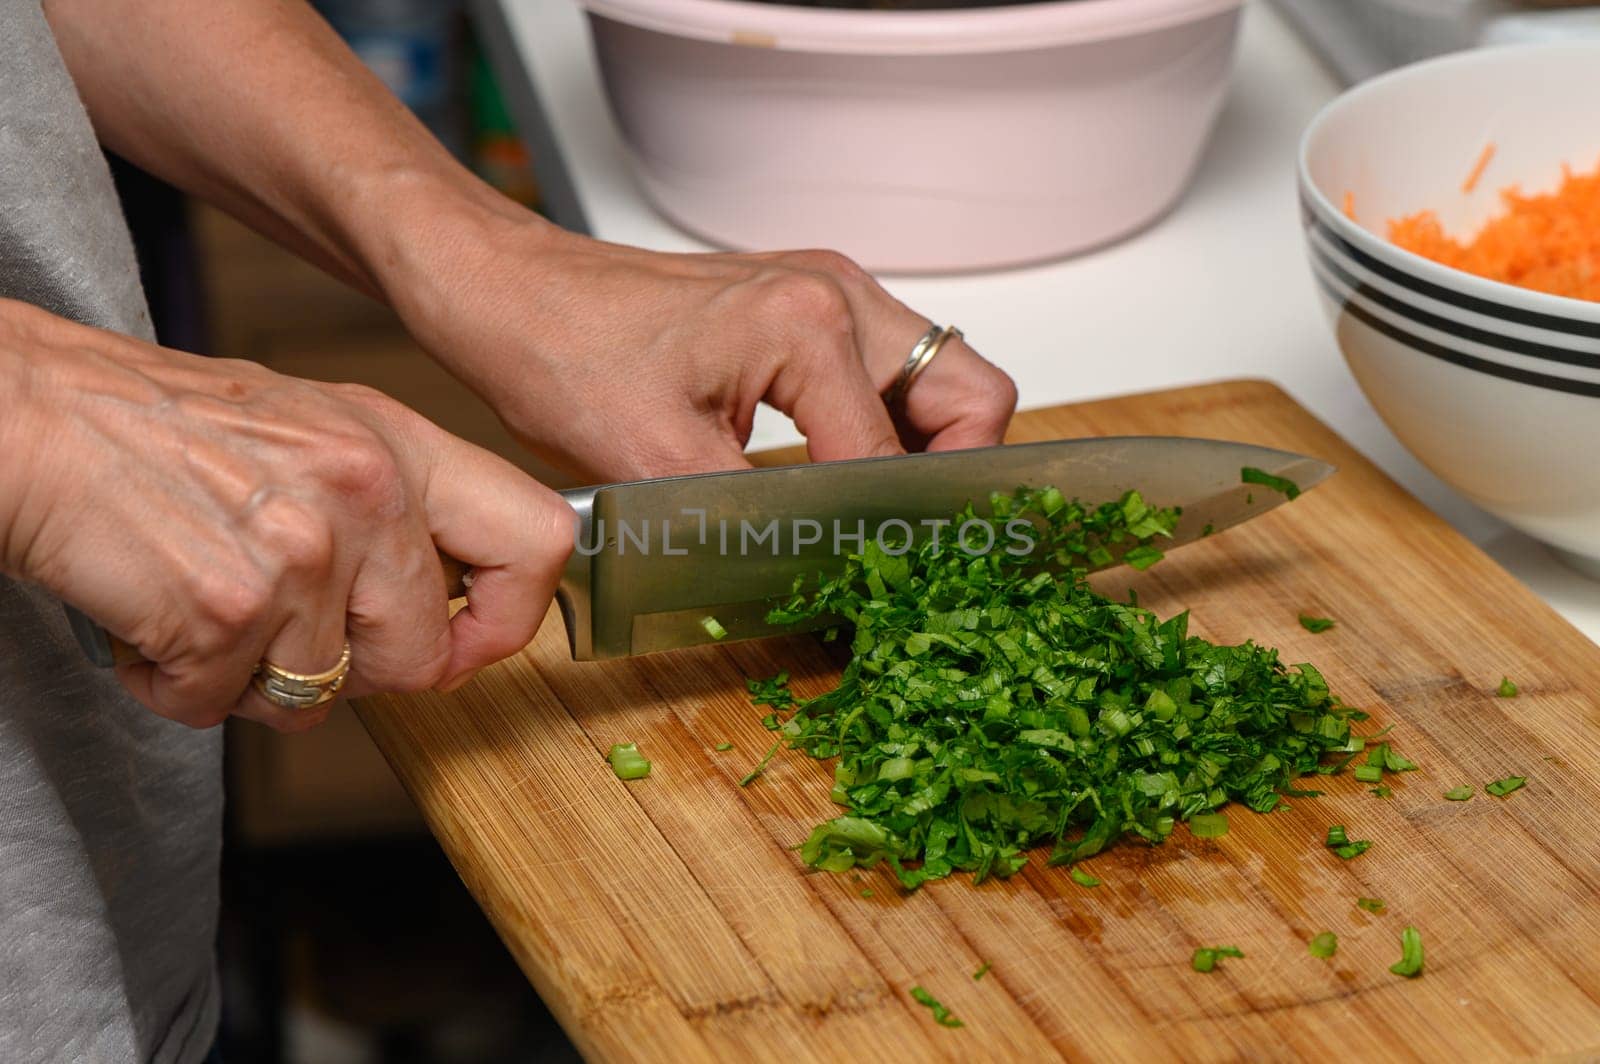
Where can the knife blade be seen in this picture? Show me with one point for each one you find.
(654, 558)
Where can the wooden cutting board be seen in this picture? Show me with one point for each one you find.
(668, 918)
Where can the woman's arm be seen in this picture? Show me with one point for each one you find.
(614, 361)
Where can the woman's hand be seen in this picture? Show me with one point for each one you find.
(214, 514)
(620, 363)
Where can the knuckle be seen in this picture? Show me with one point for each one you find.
(231, 603)
(834, 263)
(810, 301)
(999, 390)
(364, 472)
(422, 674)
(297, 536)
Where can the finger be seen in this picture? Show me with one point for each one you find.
(824, 387)
(310, 641)
(398, 616)
(202, 660)
(960, 400)
(514, 532)
(701, 445)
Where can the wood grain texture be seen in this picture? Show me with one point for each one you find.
(669, 919)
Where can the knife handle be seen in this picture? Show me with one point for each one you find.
(105, 650)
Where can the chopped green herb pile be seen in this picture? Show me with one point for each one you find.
(1288, 488)
(1501, 788)
(628, 763)
(1205, 959)
(1410, 962)
(990, 707)
(1507, 689)
(1459, 794)
(1371, 905)
(713, 627)
(983, 970)
(1316, 625)
(941, 1015)
(1084, 879)
(1324, 945)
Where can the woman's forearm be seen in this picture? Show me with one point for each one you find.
(257, 106)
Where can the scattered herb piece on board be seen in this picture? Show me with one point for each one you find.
(1083, 879)
(713, 627)
(1368, 773)
(1208, 825)
(983, 970)
(723, 747)
(990, 706)
(761, 766)
(1459, 794)
(628, 763)
(941, 1015)
(1507, 689)
(1324, 945)
(1316, 625)
(1383, 791)
(1410, 962)
(1283, 485)
(1501, 788)
(1205, 958)
(1371, 905)
(1344, 846)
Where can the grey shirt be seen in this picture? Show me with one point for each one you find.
(110, 817)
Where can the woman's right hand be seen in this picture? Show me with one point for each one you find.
(213, 514)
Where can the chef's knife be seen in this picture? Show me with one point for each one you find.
(655, 558)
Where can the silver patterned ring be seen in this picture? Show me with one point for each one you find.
(921, 357)
(297, 690)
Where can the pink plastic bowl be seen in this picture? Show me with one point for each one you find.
(915, 141)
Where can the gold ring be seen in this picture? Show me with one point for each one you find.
(297, 690)
(921, 357)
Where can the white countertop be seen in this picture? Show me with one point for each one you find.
(1224, 272)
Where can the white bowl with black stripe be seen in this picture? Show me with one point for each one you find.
(1495, 388)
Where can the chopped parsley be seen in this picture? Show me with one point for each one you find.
(713, 627)
(1371, 905)
(1459, 794)
(723, 747)
(1205, 958)
(1507, 689)
(1324, 945)
(628, 763)
(941, 1015)
(761, 766)
(1383, 791)
(1083, 879)
(983, 970)
(1283, 485)
(991, 706)
(1410, 962)
(1208, 825)
(1344, 846)
(1501, 788)
(1316, 625)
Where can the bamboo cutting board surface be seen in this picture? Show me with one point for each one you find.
(667, 918)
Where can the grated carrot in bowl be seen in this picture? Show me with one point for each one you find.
(1549, 243)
